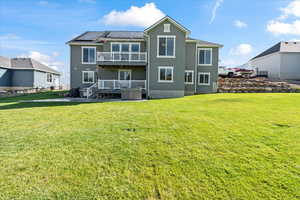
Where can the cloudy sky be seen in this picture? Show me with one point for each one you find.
(40, 28)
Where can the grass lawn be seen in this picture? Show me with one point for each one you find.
(223, 146)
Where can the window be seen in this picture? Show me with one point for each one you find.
(125, 51)
(205, 56)
(124, 74)
(49, 78)
(167, 28)
(189, 77)
(166, 46)
(165, 74)
(88, 77)
(204, 78)
(88, 55)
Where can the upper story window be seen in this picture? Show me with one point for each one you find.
(88, 55)
(88, 77)
(125, 47)
(49, 78)
(167, 28)
(166, 46)
(165, 74)
(189, 77)
(205, 56)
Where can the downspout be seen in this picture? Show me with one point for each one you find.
(196, 73)
(148, 64)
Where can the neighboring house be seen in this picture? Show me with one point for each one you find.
(162, 60)
(26, 73)
(282, 61)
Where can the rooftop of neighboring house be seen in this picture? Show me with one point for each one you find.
(98, 37)
(283, 46)
(25, 63)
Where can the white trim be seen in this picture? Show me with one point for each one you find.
(196, 68)
(124, 70)
(165, 67)
(174, 50)
(189, 71)
(211, 54)
(172, 21)
(204, 73)
(82, 74)
(88, 47)
(167, 28)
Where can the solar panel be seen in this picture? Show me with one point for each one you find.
(90, 35)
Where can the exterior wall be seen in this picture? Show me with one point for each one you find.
(22, 78)
(112, 73)
(270, 63)
(76, 66)
(40, 80)
(5, 77)
(213, 69)
(190, 64)
(176, 88)
(290, 66)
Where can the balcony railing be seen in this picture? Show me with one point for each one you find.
(119, 84)
(122, 56)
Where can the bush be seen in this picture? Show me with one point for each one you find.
(74, 92)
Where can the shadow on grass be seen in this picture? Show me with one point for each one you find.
(22, 105)
(36, 96)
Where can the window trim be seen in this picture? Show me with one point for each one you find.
(88, 47)
(174, 50)
(204, 73)
(51, 75)
(189, 71)
(82, 73)
(130, 44)
(167, 28)
(124, 70)
(211, 54)
(165, 67)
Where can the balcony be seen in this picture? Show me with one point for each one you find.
(122, 58)
(119, 84)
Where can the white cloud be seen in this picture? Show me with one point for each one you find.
(87, 1)
(242, 50)
(135, 16)
(293, 9)
(240, 24)
(12, 41)
(281, 28)
(294, 40)
(215, 9)
(45, 59)
(43, 3)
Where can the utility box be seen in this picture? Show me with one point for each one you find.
(131, 94)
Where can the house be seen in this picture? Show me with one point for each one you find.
(26, 73)
(162, 60)
(282, 61)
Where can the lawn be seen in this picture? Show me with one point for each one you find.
(223, 146)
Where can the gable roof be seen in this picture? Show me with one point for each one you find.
(25, 63)
(204, 43)
(287, 47)
(273, 49)
(187, 31)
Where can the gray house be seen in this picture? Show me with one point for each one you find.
(282, 61)
(26, 73)
(162, 60)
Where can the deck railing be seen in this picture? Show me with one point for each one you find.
(119, 84)
(122, 56)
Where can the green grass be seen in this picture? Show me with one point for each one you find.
(224, 146)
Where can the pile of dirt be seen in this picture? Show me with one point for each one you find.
(254, 85)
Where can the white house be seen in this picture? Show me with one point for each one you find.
(282, 61)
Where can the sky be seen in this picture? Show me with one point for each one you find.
(40, 28)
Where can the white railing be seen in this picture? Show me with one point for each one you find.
(90, 90)
(122, 56)
(119, 84)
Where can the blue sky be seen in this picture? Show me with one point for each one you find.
(40, 28)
